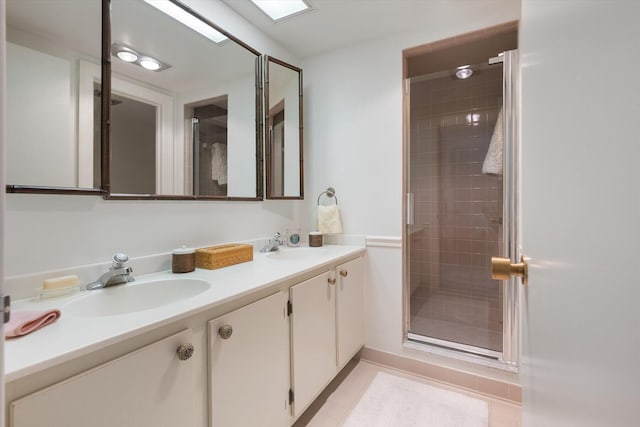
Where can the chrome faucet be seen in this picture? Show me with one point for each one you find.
(118, 273)
(274, 244)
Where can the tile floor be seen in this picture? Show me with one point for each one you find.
(334, 405)
(460, 317)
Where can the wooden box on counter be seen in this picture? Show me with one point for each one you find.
(220, 256)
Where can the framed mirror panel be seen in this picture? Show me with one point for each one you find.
(53, 96)
(284, 130)
(185, 110)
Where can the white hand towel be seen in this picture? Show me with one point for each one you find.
(329, 219)
(493, 161)
(219, 163)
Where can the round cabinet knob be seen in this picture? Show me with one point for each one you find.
(225, 331)
(331, 280)
(344, 273)
(185, 351)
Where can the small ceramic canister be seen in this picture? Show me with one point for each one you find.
(183, 260)
(315, 239)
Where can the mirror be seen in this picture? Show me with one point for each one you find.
(52, 94)
(185, 106)
(283, 119)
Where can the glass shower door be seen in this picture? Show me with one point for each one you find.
(455, 221)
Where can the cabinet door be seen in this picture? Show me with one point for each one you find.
(350, 309)
(149, 387)
(313, 336)
(250, 368)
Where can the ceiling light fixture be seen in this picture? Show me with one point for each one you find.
(464, 72)
(280, 9)
(127, 55)
(179, 14)
(149, 64)
(132, 56)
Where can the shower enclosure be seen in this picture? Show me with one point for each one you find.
(460, 184)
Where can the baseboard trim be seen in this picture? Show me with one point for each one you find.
(476, 383)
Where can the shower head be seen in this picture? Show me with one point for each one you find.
(464, 72)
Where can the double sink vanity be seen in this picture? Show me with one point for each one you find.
(247, 345)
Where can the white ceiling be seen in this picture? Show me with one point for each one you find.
(333, 24)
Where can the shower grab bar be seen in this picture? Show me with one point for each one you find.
(330, 192)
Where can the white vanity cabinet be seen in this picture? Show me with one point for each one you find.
(313, 338)
(148, 387)
(349, 309)
(249, 365)
(262, 355)
(327, 328)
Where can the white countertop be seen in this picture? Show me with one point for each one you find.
(73, 336)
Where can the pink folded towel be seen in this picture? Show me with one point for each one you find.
(25, 322)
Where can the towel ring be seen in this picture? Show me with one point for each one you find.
(329, 192)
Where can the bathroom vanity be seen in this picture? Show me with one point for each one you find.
(253, 344)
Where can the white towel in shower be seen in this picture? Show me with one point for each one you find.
(219, 163)
(329, 219)
(493, 161)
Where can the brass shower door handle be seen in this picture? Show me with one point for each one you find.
(503, 269)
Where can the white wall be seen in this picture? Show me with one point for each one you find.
(40, 94)
(46, 232)
(284, 86)
(292, 138)
(353, 142)
(62, 120)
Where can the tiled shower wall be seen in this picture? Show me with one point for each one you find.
(457, 216)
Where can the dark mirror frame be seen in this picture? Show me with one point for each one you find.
(105, 85)
(106, 107)
(268, 143)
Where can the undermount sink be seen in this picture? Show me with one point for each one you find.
(133, 297)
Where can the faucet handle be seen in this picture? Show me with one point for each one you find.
(119, 259)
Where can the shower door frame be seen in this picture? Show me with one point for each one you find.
(509, 358)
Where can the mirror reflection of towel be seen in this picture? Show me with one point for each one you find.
(219, 163)
(329, 219)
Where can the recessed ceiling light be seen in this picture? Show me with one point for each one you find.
(149, 64)
(184, 17)
(135, 57)
(127, 56)
(279, 9)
